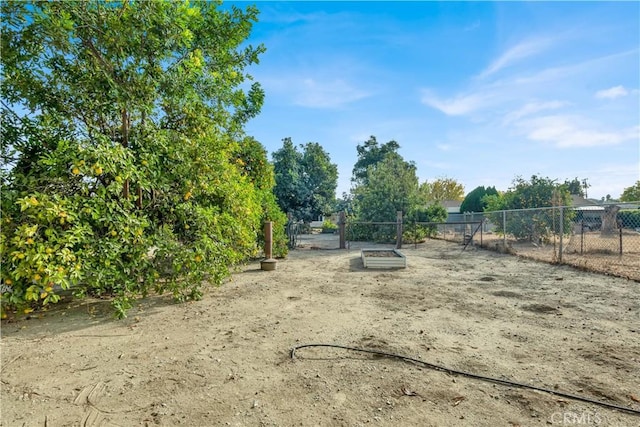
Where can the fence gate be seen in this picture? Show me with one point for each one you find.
(292, 230)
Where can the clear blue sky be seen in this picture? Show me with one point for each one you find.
(480, 92)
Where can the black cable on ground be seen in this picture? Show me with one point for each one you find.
(472, 375)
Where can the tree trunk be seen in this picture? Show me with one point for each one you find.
(609, 220)
(139, 201)
(125, 144)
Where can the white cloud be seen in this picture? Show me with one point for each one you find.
(314, 92)
(574, 132)
(600, 64)
(472, 26)
(532, 108)
(326, 94)
(612, 93)
(506, 92)
(282, 14)
(518, 52)
(458, 106)
(608, 178)
(445, 147)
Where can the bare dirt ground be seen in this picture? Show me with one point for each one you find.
(225, 360)
(590, 251)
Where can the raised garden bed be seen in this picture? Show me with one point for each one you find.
(383, 258)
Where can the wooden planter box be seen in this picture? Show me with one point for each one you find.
(383, 258)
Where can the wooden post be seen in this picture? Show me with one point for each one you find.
(268, 264)
(399, 231)
(342, 225)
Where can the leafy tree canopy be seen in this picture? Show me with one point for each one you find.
(532, 225)
(124, 145)
(577, 187)
(475, 201)
(345, 204)
(631, 194)
(442, 189)
(369, 154)
(538, 192)
(306, 180)
(390, 186)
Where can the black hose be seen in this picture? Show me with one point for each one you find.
(472, 375)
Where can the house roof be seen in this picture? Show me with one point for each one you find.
(451, 203)
(577, 200)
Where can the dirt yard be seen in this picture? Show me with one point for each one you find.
(225, 360)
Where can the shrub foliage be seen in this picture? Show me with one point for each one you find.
(127, 170)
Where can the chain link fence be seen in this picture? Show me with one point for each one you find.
(413, 233)
(601, 238)
(360, 233)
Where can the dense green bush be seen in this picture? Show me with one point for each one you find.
(368, 232)
(131, 173)
(329, 227)
(415, 228)
(530, 215)
(629, 218)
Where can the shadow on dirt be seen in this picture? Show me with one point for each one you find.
(71, 315)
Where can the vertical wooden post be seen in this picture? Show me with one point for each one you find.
(342, 225)
(268, 264)
(399, 230)
(268, 239)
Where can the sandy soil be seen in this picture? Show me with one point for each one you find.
(225, 360)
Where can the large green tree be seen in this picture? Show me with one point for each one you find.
(320, 177)
(475, 201)
(577, 187)
(391, 185)
(631, 194)
(123, 140)
(538, 192)
(289, 189)
(442, 189)
(369, 154)
(306, 180)
(524, 221)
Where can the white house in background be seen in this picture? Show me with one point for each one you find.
(588, 212)
(452, 206)
(453, 210)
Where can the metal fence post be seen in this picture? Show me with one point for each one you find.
(399, 231)
(504, 228)
(342, 225)
(561, 233)
(620, 241)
